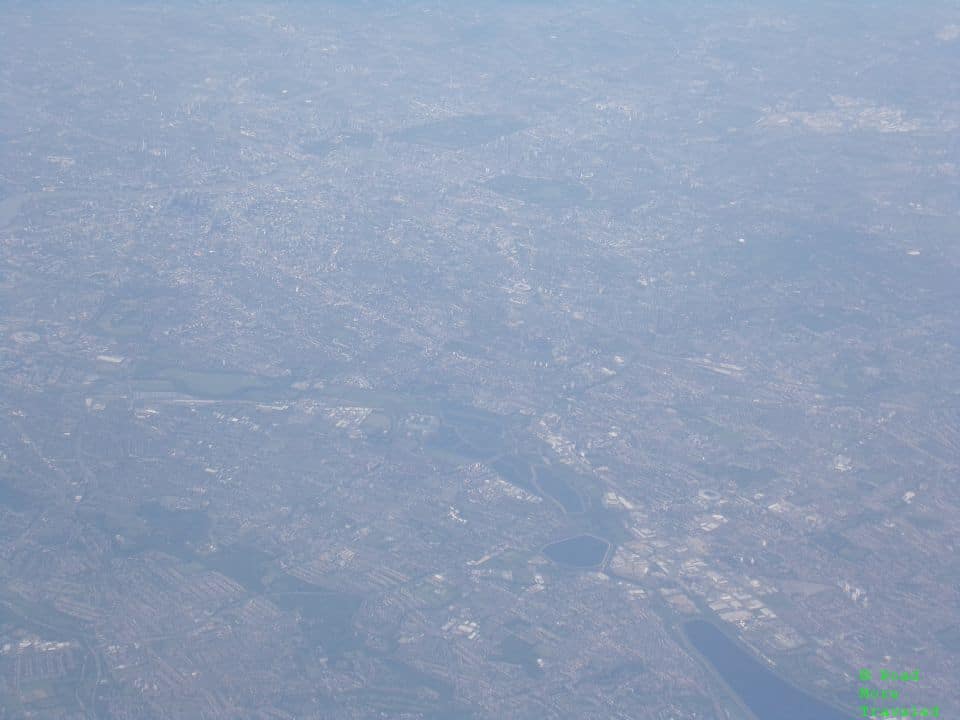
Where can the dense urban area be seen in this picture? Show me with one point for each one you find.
(434, 360)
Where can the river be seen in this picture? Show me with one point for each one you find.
(768, 696)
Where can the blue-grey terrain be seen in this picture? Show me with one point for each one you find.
(440, 360)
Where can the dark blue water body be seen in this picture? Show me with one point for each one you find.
(583, 551)
(767, 696)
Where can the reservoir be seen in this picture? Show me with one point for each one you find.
(767, 696)
(582, 551)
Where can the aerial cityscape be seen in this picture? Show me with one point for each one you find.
(434, 360)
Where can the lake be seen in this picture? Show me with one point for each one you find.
(582, 551)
